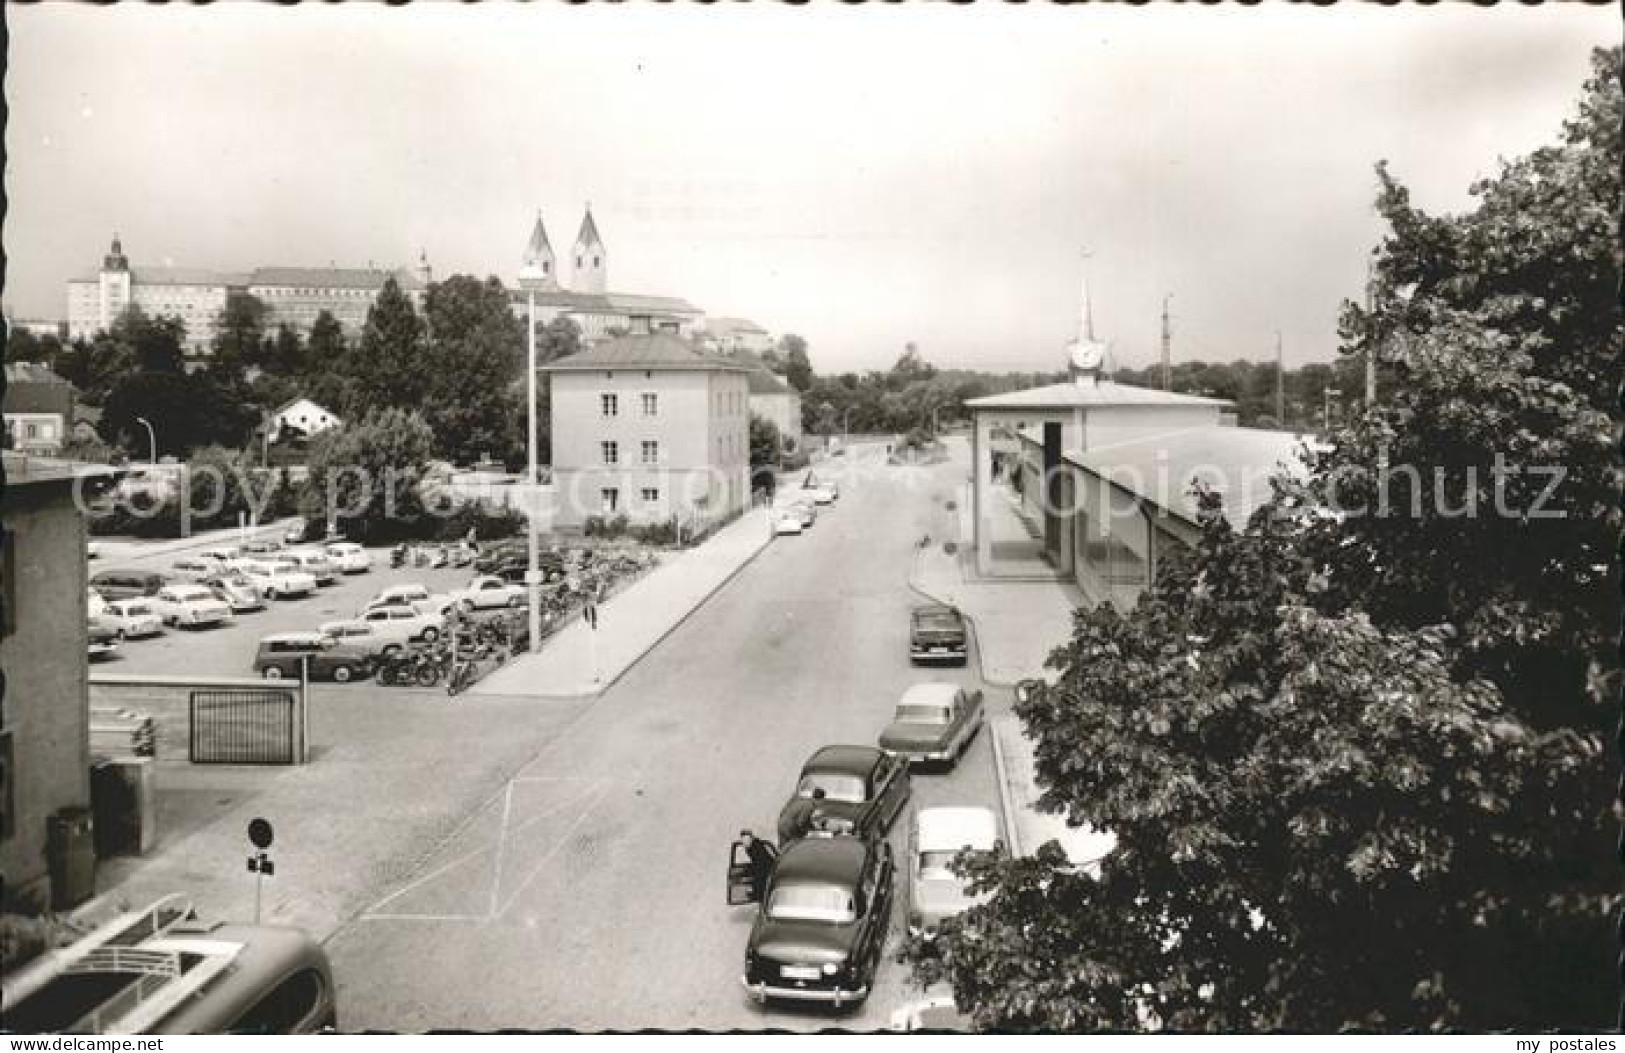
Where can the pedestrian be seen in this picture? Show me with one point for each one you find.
(762, 856)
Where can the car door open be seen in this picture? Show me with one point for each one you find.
(741, 877)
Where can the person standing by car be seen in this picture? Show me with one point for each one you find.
(762, 856)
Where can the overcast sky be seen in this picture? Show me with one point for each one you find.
(861, 176)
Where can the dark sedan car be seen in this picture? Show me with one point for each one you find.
(846, 791)
(936, 633)
(934, 723)
(822, 924)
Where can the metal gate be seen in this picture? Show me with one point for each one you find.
(244, 726)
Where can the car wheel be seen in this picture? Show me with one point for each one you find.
(271, 672)
(431, 634)
(515, 601)
(270, 594)
(119, 636)
(341, 674)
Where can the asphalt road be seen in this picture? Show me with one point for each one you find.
(588, 892)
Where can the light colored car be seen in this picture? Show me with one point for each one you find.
(193, 569)
(938, 835)
(101, 639)
(193, 606)
(93, 549)
(221, 553)
(819, 491)
(312, 561)
(94, 604)
(133, 619)
(934, 723)
(362, 635)
(409, 594)
(349, 557)
(404, 624)
(238, 592)
(802, 510)
(786, 522)
(484, 593)
(278, 579)
(935, 1012)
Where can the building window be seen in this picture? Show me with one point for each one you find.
(578, 262)
(651, 452)
(609, 405)
(651, 404)
(651, 496)
(595, 261)
(610, 497)
(612, 452)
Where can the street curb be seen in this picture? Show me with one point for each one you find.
(1012, 836)
(701, 602)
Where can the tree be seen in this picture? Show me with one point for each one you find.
(326, 346)
(766, 443)
(283, 352)
(156, 344)
(388, 365)
(475, 354)
(557, 339)
(239, 328)
(1353, 760)
(797, 367)
(364, 476)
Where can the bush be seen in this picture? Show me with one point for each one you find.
(601, 527)
(488, 522)
(662, 533)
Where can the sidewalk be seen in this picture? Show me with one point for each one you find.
(1017, 622)
(633, 621)
(1025, 826)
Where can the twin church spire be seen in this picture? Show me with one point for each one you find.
(590, 270)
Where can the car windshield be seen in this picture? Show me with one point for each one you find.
(935, 864)
(914, 713)
(811, 903)
(836, 786)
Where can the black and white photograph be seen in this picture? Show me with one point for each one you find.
(812, 518)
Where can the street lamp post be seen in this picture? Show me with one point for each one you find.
(846, 431)
(152, 440)
(531, 277)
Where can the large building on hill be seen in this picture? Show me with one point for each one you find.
(598, 312)
(292, 296)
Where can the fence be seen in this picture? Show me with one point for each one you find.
(244, 726)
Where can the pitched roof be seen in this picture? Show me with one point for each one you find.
(643, 351)
(296, 400)
(636, 302)
(1236, 462)
(766, 382)
(589, 230)
(539, 248)
(31, 373)
(1069, 395)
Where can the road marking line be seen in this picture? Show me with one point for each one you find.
(550, 854)
(502, 847)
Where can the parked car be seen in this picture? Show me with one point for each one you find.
(191, 569)
(934, 723)
(101, 639)
(411, 594)
(355, 632)
(221, 553)
(803, 511)
(846, 790)
(94, 604)
(283, 654)
(936, 633)
(237, 591)
(126, 584)
(823, 492)
(931, 1013)
(311, 561)
(93, 549)
(191, 605)
(278, 579)
(404, 624)
(133, 619)
(935, 838)
(486, 592)
(786, 522)
(261, 547)
(513, 568)
(294, 535)
(821, 925)
(349, 557)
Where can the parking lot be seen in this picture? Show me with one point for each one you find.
(228, 649)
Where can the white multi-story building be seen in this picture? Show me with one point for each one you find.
(292, 295)
(646, 426)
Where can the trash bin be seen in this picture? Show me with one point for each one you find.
(70, 855)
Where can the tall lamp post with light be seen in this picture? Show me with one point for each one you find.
(532, 277)
(152, 440)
